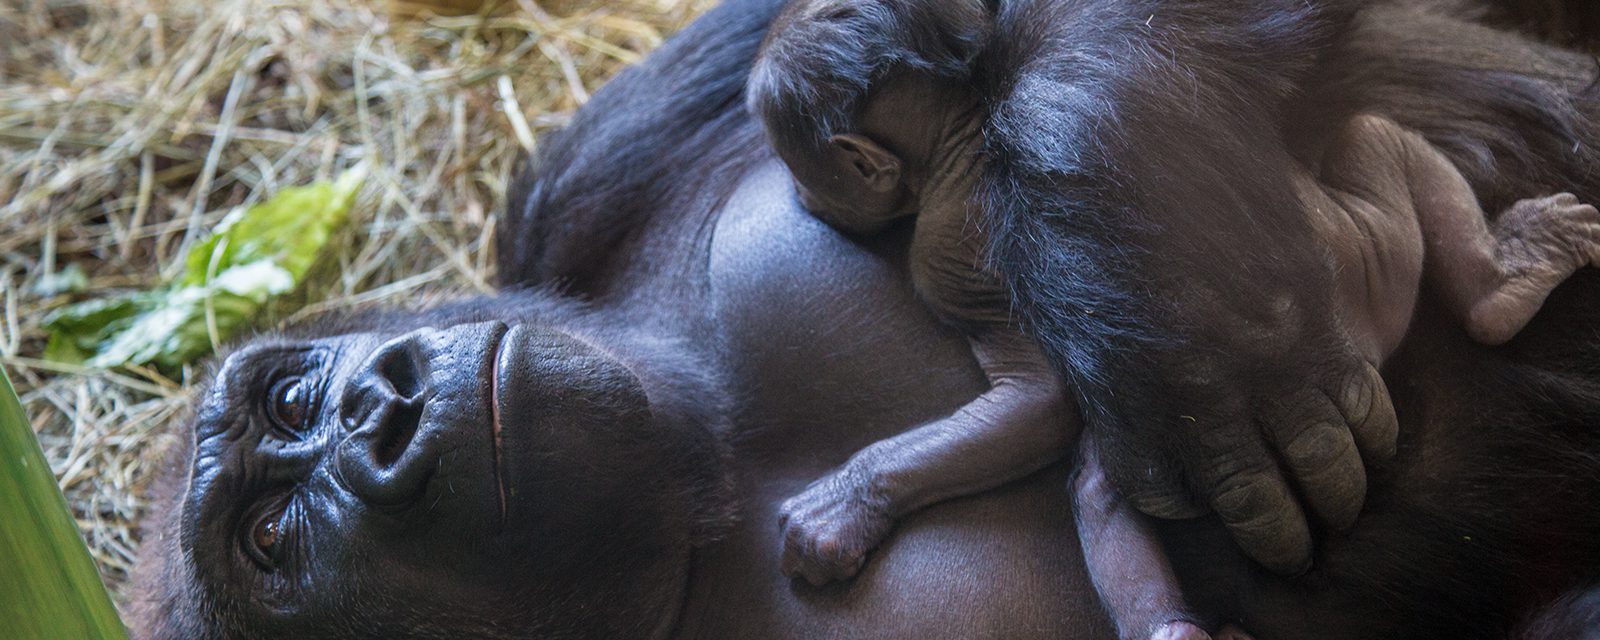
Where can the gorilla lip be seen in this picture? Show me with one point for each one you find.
(494, 419)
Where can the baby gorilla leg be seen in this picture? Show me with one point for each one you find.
(1494, 277)
(1539, 242)
(1126, 563)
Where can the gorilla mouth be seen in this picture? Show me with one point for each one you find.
(494, 419)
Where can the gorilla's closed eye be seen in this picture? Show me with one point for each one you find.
(289, 407)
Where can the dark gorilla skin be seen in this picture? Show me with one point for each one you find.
(707, 349)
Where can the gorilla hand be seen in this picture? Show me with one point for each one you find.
(1279, 427)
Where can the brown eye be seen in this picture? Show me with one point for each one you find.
(268, 531)
(289, 406)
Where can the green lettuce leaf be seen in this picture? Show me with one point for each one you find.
(255, 256)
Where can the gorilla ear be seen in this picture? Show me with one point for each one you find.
(875, 166)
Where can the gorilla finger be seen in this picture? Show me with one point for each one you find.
(1157, 488)
(1175, 504)
(798, 552)
(800, 564)
(1323, 462)
(825, 568)
(790, 563)
(1151, 482)
(1258, 509)
(1364, 401)
(817, 576)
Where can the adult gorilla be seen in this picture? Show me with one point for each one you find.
(682, 349)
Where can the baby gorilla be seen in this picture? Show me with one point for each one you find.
(915, 151)
(1389, 206)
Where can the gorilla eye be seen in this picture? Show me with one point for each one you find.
(289, 406)
(267, 534)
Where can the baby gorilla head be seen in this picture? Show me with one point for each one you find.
(915, 144)
(447, 471)
(853, 183)
(858, 97)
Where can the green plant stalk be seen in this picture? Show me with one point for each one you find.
(49, 587)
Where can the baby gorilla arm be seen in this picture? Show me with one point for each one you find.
(1023, 423)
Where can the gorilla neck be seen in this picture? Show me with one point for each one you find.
(688, 398)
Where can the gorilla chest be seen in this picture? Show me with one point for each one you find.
(827, 349)
(825, 337)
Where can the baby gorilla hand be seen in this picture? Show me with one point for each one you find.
(1258, 439)
(830, 527)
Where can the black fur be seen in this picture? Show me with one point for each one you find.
(1569, 22)
(815, 73)
(1163, 120)
(603, 178)
(1522, 122)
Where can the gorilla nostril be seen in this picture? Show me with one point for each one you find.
(373, 462)
(402, 367)
(382, 411)
(401, 374)
(397, 432)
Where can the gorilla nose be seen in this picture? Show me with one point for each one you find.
(401, 402)
(382, 408)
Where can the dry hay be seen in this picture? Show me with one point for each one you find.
(129, 127)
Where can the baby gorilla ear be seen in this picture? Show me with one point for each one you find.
(877, 168)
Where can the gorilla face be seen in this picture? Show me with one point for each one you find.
(449, 470)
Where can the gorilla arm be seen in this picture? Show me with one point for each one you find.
(1143, 215)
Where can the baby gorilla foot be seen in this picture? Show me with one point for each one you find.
(830, 527)
(1541, 241)
(1179, 631)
